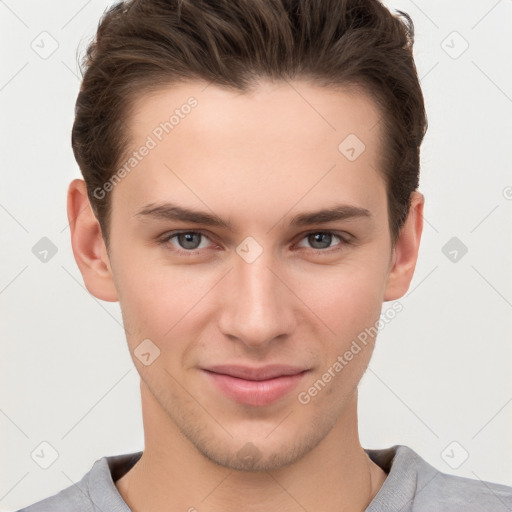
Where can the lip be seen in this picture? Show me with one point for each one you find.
(255, 386)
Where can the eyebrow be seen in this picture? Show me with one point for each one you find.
(173, 212)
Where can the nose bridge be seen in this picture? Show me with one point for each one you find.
(257, 307)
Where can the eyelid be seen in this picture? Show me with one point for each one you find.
(166, 237)
(345, 239)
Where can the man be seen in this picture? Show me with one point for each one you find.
(250, 198)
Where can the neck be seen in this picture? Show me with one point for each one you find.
(337, 475)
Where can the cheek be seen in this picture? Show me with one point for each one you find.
(349, 304)
(346, 297)
(154, 296)
(158, 299)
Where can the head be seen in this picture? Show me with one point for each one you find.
(250, 198)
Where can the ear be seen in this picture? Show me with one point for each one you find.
(88, 246)
(405, 253)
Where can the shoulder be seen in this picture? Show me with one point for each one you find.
(73, 498)
(441, 491)
(435, 490)
(95, 492)
(414, 485)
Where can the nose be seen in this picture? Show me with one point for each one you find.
(258, 306)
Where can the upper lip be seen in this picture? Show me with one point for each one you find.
(262, 373)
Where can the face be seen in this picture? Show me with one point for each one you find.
(251, 250)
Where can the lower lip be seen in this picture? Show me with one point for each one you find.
(255, 392)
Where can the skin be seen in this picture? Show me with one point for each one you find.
(256, 160)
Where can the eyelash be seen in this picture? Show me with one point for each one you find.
(165, 239)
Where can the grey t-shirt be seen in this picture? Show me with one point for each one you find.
(412, 485)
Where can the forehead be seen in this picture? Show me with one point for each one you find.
(279, 142)
(270, 111)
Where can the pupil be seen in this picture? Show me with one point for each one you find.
(319, 237)
(186, 240)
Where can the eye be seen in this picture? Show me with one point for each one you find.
(191, 242)
(185, 241)
(319, 240)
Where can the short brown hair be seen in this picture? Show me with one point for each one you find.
(141, 45)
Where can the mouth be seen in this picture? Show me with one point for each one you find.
(255, 386)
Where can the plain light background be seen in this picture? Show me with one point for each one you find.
(440, 377)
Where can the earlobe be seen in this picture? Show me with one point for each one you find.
(406, 250)
(87, 243)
